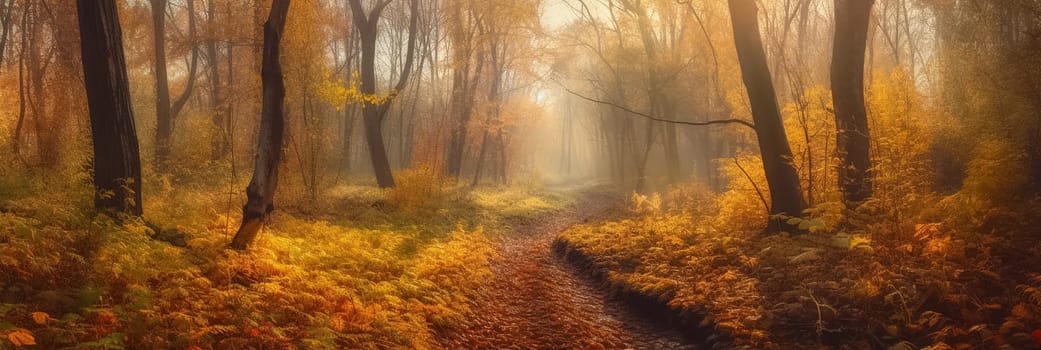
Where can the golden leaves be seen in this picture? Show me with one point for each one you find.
(21, 337)
(339, 93)
(40, 318)
(642, 204)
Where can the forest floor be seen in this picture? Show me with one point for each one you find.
(928, 282)
(425, 266)
(535, 300)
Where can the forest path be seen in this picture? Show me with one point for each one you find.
(535, 300)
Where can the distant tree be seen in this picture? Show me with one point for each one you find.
(6, 22)
(261, 190)
(220, 144)
(782, 179)
(375, 109)
(467, 61)
(853, 141)
(166, 112)
(117, 164)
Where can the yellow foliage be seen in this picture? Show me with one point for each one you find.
(339, 93)
(420, 187)
(740, 207)
(998, 172)
(901, 133)
(810, 127)
(642, 204)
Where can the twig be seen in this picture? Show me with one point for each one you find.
(754, 185)
(820, 318)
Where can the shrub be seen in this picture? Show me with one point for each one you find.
(418, 188)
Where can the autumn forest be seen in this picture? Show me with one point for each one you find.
(520, 174)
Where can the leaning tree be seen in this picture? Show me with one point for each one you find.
(781, 177)
(261, 190)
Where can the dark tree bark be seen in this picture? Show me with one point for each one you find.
(261, 190)
(165, 112)
(782, 179)
(373, 114)
(117, 164)
(853, 142)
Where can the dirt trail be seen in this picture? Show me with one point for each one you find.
(537, 301)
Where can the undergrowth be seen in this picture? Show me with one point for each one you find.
(356, 271)
(898, 282)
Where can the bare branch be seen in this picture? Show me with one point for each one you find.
(679, 122)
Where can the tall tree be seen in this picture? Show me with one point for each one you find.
(853, 142)
(220, 143)
(166, 113)
(660, 102)
(375, 109)
(117, 164)
(782, 179)
(462, 31)
(261, 190)
(6, 23)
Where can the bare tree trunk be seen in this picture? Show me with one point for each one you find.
(502, 158)
(261, 190)
(164, 125)
(346, 158)
(480, 159)
(117, 164)
(660, 102)
(462, 104)
(220, 144)
(782, 179)
(6, 10)
(373, 114)
(847, 88)
(165, 112)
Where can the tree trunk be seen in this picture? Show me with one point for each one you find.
(782, 179)
(165, 112)
(117, 165)
(373, 113)
(372, 118)
(220, 143)
(660, 102)
(502, 158)
(480, 159)
(462, 104)
(346, 158)
(6, 23)
(261, 190)
(163, 123)
(852, 18)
